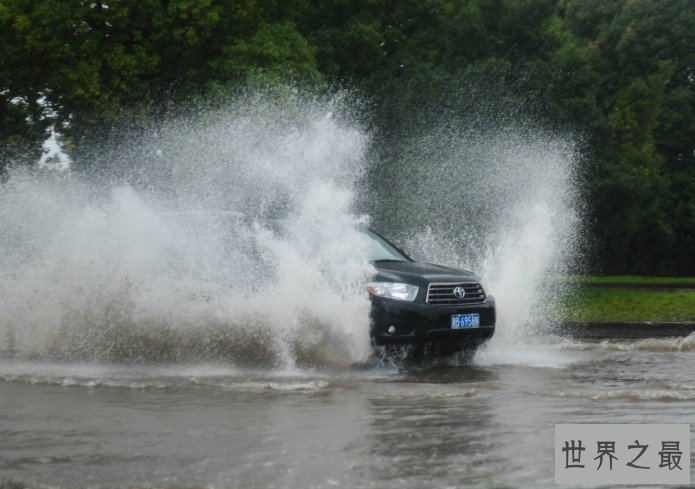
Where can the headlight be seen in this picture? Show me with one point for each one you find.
(391, 290)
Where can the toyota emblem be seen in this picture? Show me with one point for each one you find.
(459, 292)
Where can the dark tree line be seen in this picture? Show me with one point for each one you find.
(620, 73)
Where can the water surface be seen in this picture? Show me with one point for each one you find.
(489, 424)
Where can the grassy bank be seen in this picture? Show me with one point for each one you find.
(630, 280)
(630, 299)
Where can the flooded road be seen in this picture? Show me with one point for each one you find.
(489, 424)
(229, 237)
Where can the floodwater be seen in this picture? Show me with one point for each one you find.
(488, 424)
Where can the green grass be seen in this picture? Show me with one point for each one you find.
(638, 305)
(629, 280)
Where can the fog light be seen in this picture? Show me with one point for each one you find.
(392, 329)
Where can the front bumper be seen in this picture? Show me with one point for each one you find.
(418, 322)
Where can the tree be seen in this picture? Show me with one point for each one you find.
(98, 65)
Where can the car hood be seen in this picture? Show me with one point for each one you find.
(415, 272)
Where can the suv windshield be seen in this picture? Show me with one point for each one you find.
(380, 249)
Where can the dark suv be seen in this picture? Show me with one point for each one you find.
(438, 309)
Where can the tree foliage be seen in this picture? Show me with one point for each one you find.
(619, 72)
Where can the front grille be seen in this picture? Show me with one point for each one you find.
(442, 294)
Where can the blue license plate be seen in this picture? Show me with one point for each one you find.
(465, 321)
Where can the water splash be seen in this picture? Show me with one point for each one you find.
(503, 203)
(230, 235)
(224, 235)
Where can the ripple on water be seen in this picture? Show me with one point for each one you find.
(650, 344)
(631, 394)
